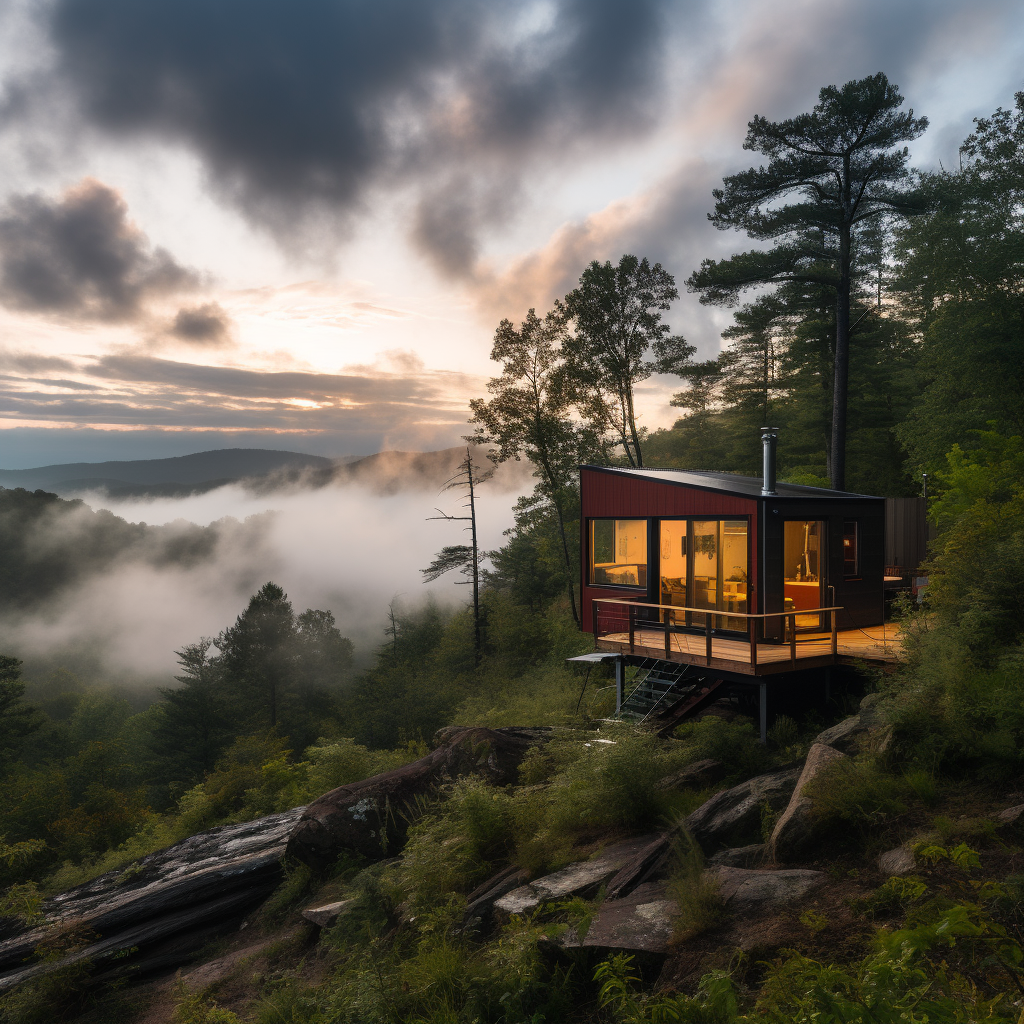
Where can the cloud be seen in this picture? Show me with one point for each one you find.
(207, 325)
(32, 362)
(81, 256)
(402, 405)
(301, 108)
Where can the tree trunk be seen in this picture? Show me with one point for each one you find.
(841, 366)
(476, 560)
(553, 486)
(631, 412)
(372, 817)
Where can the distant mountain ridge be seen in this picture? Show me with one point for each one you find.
(258, 469)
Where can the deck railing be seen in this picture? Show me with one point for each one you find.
(630, 622)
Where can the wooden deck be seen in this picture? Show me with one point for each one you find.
(813, 650)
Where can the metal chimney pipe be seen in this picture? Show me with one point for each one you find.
(769, 439)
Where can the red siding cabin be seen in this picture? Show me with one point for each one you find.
(710, 583)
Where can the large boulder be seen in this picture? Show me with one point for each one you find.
(794, 831)
(855, 733)
(754, 892)
(583, 878)
(155, 914)
(641, 923)
(371, 817)
(735, 814)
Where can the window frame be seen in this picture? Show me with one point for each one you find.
(856, 574)
(635, 588)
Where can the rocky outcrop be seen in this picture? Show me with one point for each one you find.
(754, 892)
(1011, 817)
(371, 817)
(156, 913)
(480, 902)
(324, 915)
(754, 856)
(793, 834)
(853, 734)
(897, 862)
(583, 878)
(736, 813)
(638, 923)
(698, 775)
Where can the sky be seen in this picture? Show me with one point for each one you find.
(260, 223)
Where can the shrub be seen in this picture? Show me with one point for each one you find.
(695, 893)
(853, 799)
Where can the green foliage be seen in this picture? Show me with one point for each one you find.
(24, 902)
(195, 1008)
(695, 893)
(734, 744)
(853, 799)
(619, 995)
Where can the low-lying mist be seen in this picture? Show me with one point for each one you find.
(344, 548)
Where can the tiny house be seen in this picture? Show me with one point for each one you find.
(729, 555)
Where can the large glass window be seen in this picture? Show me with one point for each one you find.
(618, 552)
(704, 565)
(801, 555)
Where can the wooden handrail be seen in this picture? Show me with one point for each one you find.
(717, 611)
(791, 614)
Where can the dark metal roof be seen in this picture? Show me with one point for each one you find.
(728, 483)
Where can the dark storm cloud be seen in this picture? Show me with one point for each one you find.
(304, 106)
(80, 255)
(205, 325)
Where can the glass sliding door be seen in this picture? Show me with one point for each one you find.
(704, 565)
(673, 569)
(803, 544)
(733, 591)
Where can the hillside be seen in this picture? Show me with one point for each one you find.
(259, 470)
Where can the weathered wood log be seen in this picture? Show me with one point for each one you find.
(208, 881)
(372, 817)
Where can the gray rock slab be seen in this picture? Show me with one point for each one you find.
(897, 862)
(750, 892)
(754, 856)
(736, 812)
(793, 834)
(639, 923)
(326, 914)
(583, 878)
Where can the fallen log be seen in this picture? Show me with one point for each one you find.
(371, 817)
(204, 884)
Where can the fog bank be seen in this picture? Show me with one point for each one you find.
(343, 548)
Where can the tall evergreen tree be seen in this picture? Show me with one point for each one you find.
(846, 162)
(194, 724)
(257, 653)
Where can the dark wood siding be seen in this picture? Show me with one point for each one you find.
(906, 533)
(616, 495)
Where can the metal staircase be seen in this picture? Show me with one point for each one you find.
(657, 686)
